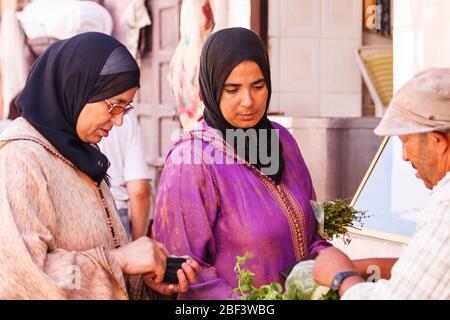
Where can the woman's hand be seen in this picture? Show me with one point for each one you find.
(142, 256)
(186, 276)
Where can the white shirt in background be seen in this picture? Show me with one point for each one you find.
(124, 150)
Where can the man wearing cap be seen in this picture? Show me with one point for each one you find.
(420, 115)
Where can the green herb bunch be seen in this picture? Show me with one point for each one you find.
(245, 288)
(334, 218)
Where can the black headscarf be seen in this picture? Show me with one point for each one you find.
(84, 69)
(221, 53)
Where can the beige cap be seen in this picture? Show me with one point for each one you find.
(421, 105)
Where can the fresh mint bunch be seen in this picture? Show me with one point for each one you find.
(247, 291)
(335, 217)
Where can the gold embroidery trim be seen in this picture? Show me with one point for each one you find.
(299, 216)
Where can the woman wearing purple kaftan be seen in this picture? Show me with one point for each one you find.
(214, 205)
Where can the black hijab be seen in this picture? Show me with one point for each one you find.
(84, 69)
(221, 53)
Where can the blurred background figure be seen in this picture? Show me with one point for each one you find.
(196, 23)
(14, 62)
(29, 27)
(130, 19)
(129, 175)
(65, 19)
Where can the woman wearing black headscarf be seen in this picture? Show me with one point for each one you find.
(60, 234)
(238, 183)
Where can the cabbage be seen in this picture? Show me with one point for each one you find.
(301, 286)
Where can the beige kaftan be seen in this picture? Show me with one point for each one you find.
(55, 233)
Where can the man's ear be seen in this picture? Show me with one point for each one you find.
(441, 141)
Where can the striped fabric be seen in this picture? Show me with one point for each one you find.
(376, 64)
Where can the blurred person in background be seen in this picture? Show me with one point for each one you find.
(129, 175)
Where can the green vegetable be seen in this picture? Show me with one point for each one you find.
(301, 286)
(245, 288)
(334, 217)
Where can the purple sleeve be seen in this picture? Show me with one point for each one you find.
(185, 214)
(318, 243)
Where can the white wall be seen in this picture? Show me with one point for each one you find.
(363, 247)
(311, 45)
(231, 13)
(239, 13)
(421, 37)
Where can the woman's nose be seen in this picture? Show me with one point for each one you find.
(247, 99)
(117, 119)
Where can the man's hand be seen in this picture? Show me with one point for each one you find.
(329, 263)
(186, 276)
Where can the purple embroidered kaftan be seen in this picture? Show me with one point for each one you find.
(215, 212)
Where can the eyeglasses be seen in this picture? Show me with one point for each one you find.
(116, 109)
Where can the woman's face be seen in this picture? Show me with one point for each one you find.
(95, 122)
(244, 96)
